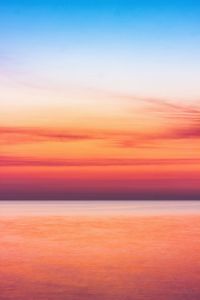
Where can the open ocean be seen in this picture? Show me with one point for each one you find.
(114, 250)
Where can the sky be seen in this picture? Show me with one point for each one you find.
(99, 99)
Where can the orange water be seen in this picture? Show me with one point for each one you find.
(100, 254)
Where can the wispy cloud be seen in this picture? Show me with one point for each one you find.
(180, 122)
(24, 135)
(6, 160)
(18, 135)
(164, 106)
(190, 131)
(9, 136)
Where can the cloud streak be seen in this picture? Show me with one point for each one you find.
(180, 122)
(53, 162)
(165, 107)
(20, 135)
(10, 136)
(172, 134)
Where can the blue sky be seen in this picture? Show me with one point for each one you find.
(105, 43)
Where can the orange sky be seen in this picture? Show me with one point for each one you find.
(94, 144)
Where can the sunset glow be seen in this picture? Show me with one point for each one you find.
(99, 99)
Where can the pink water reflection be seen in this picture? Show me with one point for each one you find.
(109, 256)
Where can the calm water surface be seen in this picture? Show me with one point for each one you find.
(99, 250)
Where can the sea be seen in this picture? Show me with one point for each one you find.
(105, 250)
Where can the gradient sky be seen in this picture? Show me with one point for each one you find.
(99, 99)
